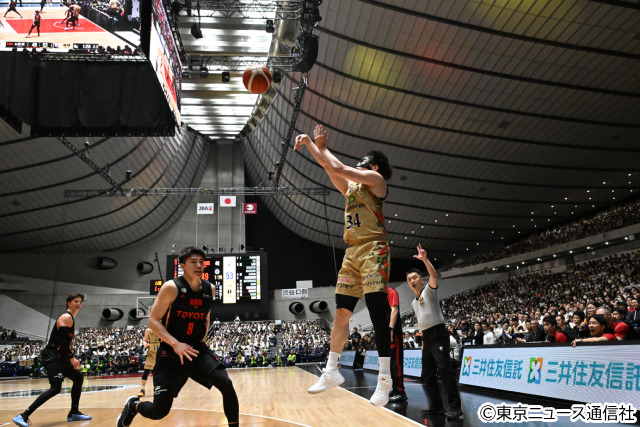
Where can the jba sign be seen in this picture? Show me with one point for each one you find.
(205, 208)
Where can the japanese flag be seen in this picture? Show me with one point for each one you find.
(227, 201)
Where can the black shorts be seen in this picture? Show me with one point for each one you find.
(169, 376)
(58, 369)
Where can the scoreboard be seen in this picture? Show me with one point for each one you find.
(236, 278)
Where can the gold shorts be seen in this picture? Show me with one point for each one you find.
(150, 361)
(365, 269)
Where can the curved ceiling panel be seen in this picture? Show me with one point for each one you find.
(498, 120)
(35, 172)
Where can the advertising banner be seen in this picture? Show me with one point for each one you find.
(412, 362)
(603, 373)
(295, 293)
(347, 358)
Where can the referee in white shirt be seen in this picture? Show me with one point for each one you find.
(435, 341)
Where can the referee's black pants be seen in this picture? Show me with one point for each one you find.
(435, 355)
(397, 364)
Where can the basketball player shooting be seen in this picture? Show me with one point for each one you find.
(365, 268)
(59, 362)
(180, 317)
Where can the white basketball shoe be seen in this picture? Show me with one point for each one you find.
(381, 395)
(327, 380)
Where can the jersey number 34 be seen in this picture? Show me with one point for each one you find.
(351, 223)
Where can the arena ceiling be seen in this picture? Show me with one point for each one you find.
(34, 173)
(500, 118)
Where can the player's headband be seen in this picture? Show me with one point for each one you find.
(366, 162)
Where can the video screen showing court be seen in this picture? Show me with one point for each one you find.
(163, 55)
(105, 26)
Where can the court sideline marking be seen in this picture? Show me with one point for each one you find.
(366, 400)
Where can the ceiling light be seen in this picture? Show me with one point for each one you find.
(565, 198)
(531, 213)
(554, 256)
(405, 237)
(446, 214)
(411, 231)
(477, 243)
(392, 242)
(588, 191)
(589, 198)
(523, 262)
(436, 220)
(538, 259)
(588, 247)
(613, 191)
(396, 214)
(570, 252)
(507, 265)
(604, 183)
(423, 226)
(606, 243)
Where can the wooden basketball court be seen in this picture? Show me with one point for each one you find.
(269, 397)
(52, 30)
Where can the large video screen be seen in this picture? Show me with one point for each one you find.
(236, 278)
(112, 25)
(164, 58)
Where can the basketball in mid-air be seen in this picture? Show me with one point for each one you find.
(257, 79)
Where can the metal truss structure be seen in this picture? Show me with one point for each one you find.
(100, 171)
(279, 9)
(233, 63)
(298, 94)
(164, 192)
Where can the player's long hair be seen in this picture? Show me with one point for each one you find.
(380, 160)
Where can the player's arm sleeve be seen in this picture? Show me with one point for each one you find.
(65, 334)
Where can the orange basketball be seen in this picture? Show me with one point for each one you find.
(256, 79)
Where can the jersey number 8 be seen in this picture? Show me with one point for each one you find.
(351, 222)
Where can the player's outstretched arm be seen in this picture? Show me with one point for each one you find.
(168, 293)
(301, 140)
(433, 274)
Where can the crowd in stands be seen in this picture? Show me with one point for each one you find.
(616, 217)
(519, 309)
(248, 337)
(8, 335)
(247, 344)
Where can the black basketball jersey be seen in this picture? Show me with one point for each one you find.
(52, 349)
(186, 318)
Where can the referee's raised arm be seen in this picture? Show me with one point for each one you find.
(433, 274)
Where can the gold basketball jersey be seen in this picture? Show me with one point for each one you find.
(363, 216)
(154, 342)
